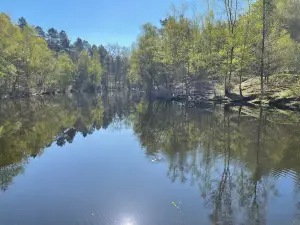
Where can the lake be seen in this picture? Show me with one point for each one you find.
(120, 160)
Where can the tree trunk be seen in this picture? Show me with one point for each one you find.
(14, 86)
(262, 62)
(225, 85)
(240, 86)
(187, 80)
(241, 75)
(231, 64)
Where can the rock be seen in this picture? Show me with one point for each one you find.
(220, 99)
(256, 101)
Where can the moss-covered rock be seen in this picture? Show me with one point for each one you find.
(281, 90)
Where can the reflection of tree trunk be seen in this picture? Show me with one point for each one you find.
(257, 174)
(228, 141)
(224, 190)
(240, 111)
(149, 88)
(152, 113)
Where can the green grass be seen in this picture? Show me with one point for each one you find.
(279, 86)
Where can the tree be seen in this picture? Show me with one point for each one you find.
(32, 62)
(95, 69)
(103, 53)
(86, 46)
(118, 69)
(263, 41)
(245, 37)
(40, 32)
(22, 22)
(64, 41)
(175, 50)
(288, 11)
(10, 39)
(78, 45)
(142, 64)
(66, 71)
(82, 68)
(93, 51)
(107, 68)
(41, 69)
(53, 39)
(231, 9)
(114, 49)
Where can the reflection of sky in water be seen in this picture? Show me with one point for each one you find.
(128, 221)
(106, 178)
(283, 209)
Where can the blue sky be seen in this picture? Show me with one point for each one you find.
(97, 21)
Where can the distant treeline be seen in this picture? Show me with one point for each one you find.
(35, 61)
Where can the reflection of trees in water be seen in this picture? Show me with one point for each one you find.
(7, 173)
(240, 189)
(30, 125)
(230, 155)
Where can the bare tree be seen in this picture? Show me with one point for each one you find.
(231, 9)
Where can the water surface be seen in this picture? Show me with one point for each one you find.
(117, 159)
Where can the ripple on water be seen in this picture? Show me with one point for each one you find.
(285, 173)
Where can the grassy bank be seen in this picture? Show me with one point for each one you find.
(281, 90)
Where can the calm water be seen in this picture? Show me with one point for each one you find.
(119, 160)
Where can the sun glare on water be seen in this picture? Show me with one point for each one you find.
(128, 221)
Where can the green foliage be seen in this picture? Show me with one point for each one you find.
(34, 62)
(83, 66)
(95, 68)
(66, 69)
(89, 69)
(142, 62)
(185, 50)
(22, 22)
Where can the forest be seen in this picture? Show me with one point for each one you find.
(230, 43)
(34, 61)
(240, 50)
